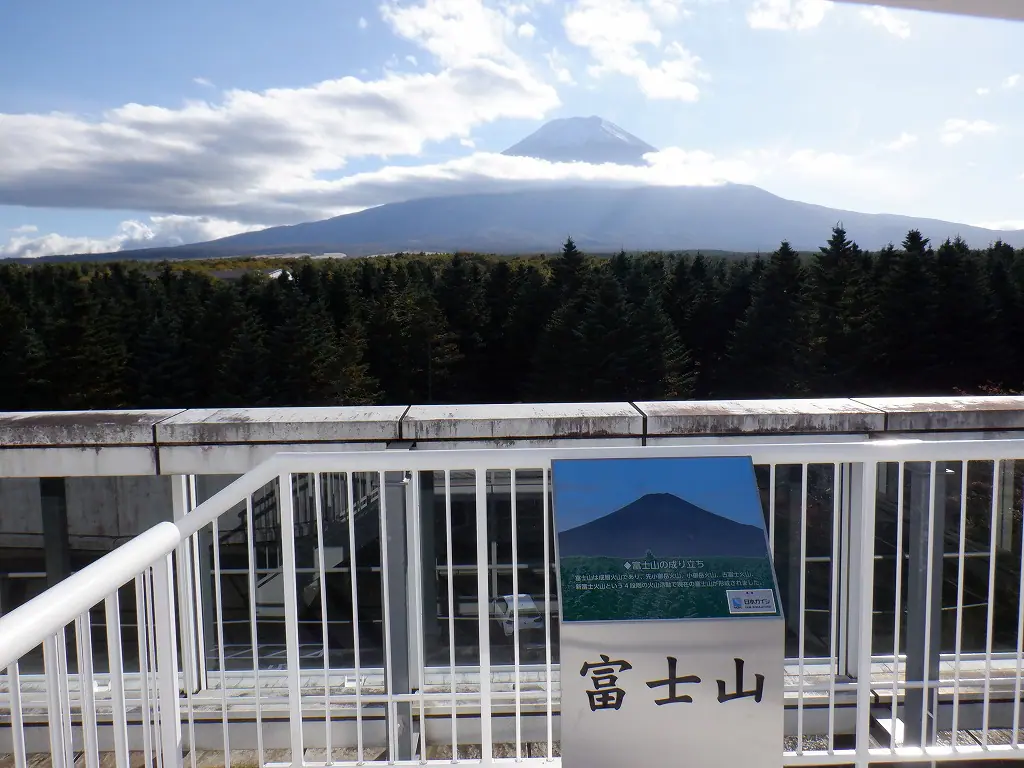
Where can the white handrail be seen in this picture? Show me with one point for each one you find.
(27, 626)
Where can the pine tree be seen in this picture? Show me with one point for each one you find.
(830, 274)
(243, 377)
(569, 269)
(22, 360)
(768, 350)
(963, 319)
(906, 309)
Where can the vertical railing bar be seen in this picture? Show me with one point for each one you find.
(1020, 648)
(771, 508)
(515, 616)
(350, 502)
(186, 556)
(483, 614)
(54, 709)
(958, 642)
(286, 506)
(926, 682)
(866, 535)
(87, 690)
(318, 511)
(990, 610)
(250, 541)
(416, 565)
(801, 632)
(451, 608)
(392, 726)
(17, 716)
(219, 609)
(197, 592)
(115, 656)
(151, 661)
(548, 669)
(167, 663)
(833, 629)
(65, 696)
(898, 609)
(141, 624)
(849, 627)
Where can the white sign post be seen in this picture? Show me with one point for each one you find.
(672, 637)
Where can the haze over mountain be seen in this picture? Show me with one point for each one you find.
(600, 218)
(668, 526)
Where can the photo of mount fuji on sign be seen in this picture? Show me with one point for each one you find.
(660, 539)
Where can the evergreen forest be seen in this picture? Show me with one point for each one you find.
(917, 318)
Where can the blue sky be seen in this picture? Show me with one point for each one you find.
(585, 490)
(131, 124)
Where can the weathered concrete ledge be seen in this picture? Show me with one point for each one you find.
(224, 426)
(941, 414)
(560, 421)
(760, 417)
(233, 440)
(52, 429)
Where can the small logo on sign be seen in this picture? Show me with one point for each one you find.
(748, 601)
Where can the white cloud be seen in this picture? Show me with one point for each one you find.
(787, 14)
(158, 231)
(526, 30)
(887, 19)
(24, 229)
(1011, 225)
(203, 82)
(455, 31)
(559, 67)
(412, 60)
(245, 157)
(1008, 84)
(613, 31)
(905, 140)
(956, 130)
(668, 11)
(363, 23)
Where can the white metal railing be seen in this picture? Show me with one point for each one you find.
(393, 649)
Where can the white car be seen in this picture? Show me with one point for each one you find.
(503, 612)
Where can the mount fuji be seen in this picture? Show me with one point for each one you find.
(600, 218)
(583, 140)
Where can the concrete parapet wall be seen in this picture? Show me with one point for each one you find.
(233, 440)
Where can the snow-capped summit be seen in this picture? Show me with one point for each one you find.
(582, 139)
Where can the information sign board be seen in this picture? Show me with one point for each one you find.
(671, 625)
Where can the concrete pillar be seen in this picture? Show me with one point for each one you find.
(924, 599)
(428, 554)
(397, 565)
(54, 502)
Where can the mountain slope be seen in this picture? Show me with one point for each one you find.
(601, 220)
(668, 526)
(730, 217)
(582, 139)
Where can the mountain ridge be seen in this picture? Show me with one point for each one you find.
(728, 217)
(601, 218)
(666, 525)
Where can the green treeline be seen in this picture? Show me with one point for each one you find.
(913, 319)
